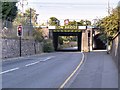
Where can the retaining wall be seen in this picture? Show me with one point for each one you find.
(115, 50)
(11, 47)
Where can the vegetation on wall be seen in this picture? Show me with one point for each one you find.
(38, 35)
(80, 23)
(48, 45)
(53, 21)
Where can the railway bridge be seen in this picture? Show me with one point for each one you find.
(85, 35)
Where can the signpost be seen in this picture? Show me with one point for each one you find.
(19, 34)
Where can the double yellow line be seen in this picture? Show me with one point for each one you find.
(65, 82)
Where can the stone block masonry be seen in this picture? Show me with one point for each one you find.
(11, 47)
(115, 50)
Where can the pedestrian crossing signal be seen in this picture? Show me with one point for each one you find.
(19, 30)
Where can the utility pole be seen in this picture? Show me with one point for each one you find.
(108, 8)
(22, 5)
(30, 16)
(30, 26)
(107, 32)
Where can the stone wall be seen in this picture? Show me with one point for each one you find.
(11, 47)
(115, 50)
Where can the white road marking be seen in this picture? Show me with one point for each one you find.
(9, 70)
(47, 59)
(32, 63)
(39, 61)
(65, 82)
(25, 65)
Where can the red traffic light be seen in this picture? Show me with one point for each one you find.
(19, 30)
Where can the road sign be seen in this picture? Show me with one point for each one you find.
(66, 22)
(19, 30)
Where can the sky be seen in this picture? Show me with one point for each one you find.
(70, 9)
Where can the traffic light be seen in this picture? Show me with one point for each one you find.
(19, 30)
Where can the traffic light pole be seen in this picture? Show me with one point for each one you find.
(20, 45)
(19, 34)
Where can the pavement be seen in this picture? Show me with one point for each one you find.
(99, 71)
(70, 48)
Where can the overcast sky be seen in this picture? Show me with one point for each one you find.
(71, 9)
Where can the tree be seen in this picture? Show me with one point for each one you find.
(80, 23)
(31, 13)
(87, 22)
(9, 11)
(38, 35)
(20, 19)
(72, 23)
(109, 24)
(53, 21)
(24, 18)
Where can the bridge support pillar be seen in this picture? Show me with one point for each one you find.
(79, 42)
(55, 41)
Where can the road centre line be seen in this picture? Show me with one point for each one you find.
(9, 70)
(47, 58)
(32, 63)
(39, 61)
(71, 75)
